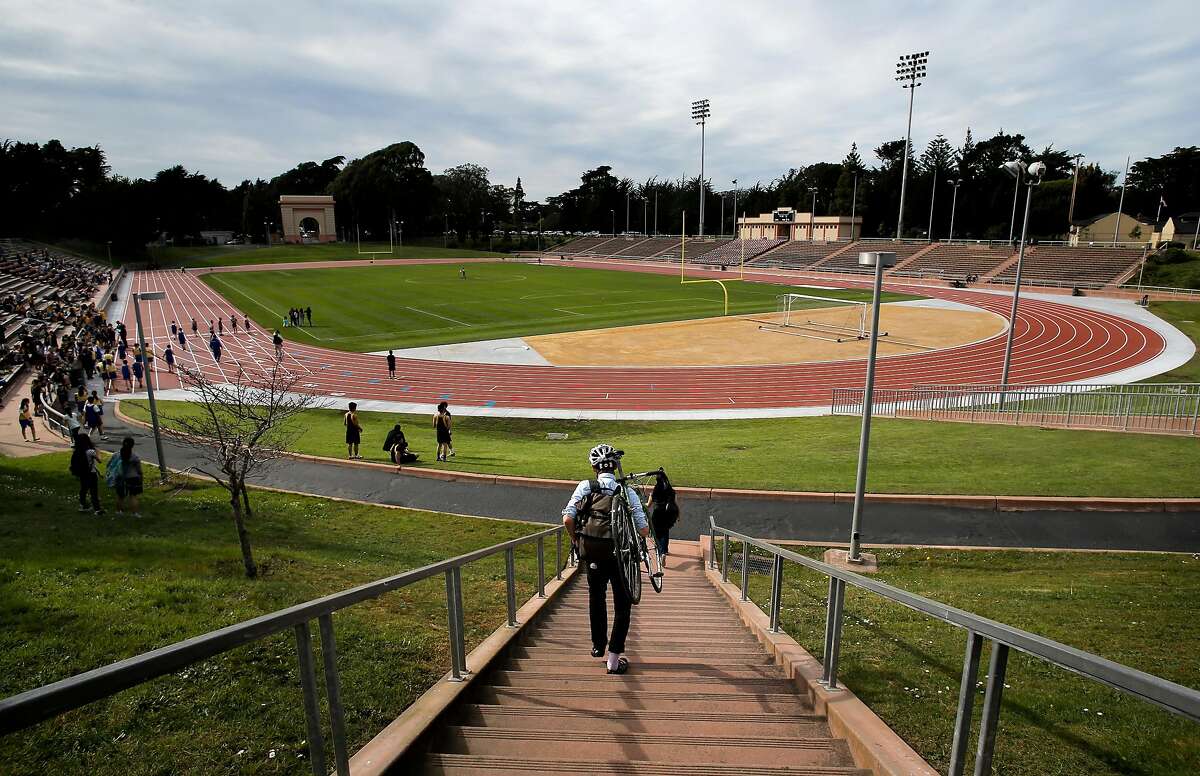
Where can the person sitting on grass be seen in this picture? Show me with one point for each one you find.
(397, 447)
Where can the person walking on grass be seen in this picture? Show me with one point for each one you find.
(391, 362)
(441, 428)
(278, 342)
(84, 461)
(589, 511)
(25, 419)
(124, 475)
(308, 315)
(353, 431)
(462, 273)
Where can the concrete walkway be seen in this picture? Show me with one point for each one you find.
(774, 519)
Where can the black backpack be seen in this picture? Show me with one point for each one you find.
(666, 508)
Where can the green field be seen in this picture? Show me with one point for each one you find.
(78, 592)
(818, 453)
(1184, 316)
(1142, 610)
(377, 308)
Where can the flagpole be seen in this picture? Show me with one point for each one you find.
(1121, 204)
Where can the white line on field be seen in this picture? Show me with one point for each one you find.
(217, 277)
(569, 312)
(435, 315)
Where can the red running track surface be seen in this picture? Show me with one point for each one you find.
(1054, 343)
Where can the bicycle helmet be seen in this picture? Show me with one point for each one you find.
(601, 456)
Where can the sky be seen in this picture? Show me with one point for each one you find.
(545, 90)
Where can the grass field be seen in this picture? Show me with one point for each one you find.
(78, 592)
(1141, 610)
(376, 308)
(1184, 316)
(907, 456)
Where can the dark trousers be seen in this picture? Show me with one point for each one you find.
(89, 485)
(601, 574)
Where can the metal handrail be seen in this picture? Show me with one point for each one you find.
(1175, 698)
(28, 708)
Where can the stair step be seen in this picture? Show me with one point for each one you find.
(612, 698)
(479, 765)
(657, 663)
(636, 649)
(581, 639)
(675, 722)
(659, 684)
(656, 667)
(586, 746)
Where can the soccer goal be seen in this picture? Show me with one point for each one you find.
(794, 311)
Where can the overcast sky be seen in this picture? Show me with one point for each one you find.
(548, 89)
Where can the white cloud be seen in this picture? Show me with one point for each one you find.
(544, 91)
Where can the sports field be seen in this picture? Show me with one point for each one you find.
(374, 308)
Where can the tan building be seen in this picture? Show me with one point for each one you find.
(786, 223)
(307, 218)
(1181, 229)
(1100, 230)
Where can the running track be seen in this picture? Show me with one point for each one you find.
(1054, 343)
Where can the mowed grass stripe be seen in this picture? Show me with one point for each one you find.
(381, 307)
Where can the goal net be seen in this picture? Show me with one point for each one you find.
(796, 312)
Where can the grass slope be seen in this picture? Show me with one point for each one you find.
(78, 592)
(907, 456)
(1141, 610)
(376, 308)
(1184, 316)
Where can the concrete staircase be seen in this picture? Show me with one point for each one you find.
(702, 696)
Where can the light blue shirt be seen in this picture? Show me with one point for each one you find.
(608, 486)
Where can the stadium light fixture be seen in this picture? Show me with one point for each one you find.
(700, 114)
(737, 233)
(1033, 176)
(953, 206)
(812, 216)
(150, 296)
(613, 212)
(910, 71)
(877, 260)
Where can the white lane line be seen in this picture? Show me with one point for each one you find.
(569, 312)
(435, 315)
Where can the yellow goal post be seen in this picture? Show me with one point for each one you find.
(683, 278)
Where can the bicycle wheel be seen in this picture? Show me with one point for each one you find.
(629, 560)
(653, 566)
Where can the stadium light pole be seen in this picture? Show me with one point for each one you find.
(721, 223)
(1033, 176)
(910, 69)
(626, 212)
(1074, 186)
(700, 114)
(267, 231)
(736, 232)
(150, 296)
(878, 260)
(953, 206)
(1012, 224)
(812, 217)
(932, 200)
(1121, 204)
(108, 247)
(613, 213)
(656, 212)
(645, 215)
(853, 207)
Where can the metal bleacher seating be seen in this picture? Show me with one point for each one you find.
(1082, 265)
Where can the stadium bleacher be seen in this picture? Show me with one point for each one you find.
(847, 260)
(696, 247)
(798, 254)
(731, 252)
(1081, 265)
(957, 261)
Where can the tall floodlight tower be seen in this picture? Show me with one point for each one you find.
(910, 70)
(700, 114)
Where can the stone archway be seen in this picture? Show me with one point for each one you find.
(307, 218)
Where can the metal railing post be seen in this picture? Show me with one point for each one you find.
(745, 570)
(1070, 407)
(725, 557)
(776, 591)
(828, 647)
(452, 625)
(712, 542)
(333, 692)
(835, 645)
(460, 612)
(997, 666)
(966, 704)
(510, 582)
(541, 564)
(312, 706)
(558, 566)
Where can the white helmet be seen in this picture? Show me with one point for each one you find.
(601, 456)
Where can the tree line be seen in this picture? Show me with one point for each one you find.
(51, 192)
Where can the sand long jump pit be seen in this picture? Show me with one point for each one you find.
(761, 339)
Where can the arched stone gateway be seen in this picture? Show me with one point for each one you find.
(307, 218)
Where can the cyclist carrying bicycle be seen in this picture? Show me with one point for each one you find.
(589, 512)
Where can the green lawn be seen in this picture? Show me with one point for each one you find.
(907, 456)
(78, 592)
(1184, 316)
(1181, 270)
(377, 308)
(1141, 610)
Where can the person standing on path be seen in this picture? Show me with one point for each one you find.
(664, 513)
(246, 322)
(278, 341)
(93, 415)
(441, 427)
(169, 356)
(391, 362)
(137, 372)
(195, 329)
(214, 345)
(83, 466)
(25, 419)
(353, 431)
(127, 376)
(590, 507)
(221, 326)
(182, 341)
(174, 328)
(232, 323)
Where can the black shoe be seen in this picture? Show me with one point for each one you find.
(597, 652)
(622, 666)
